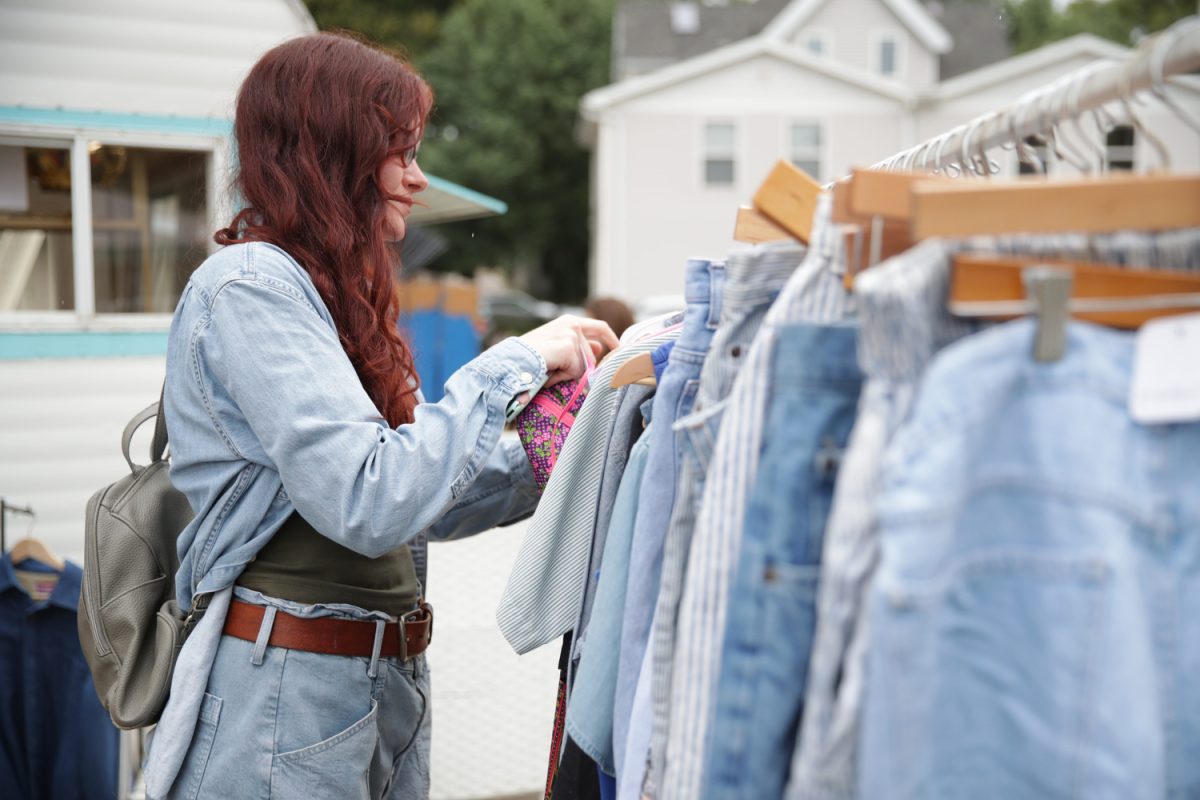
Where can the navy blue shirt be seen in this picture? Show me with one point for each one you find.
(56, 740)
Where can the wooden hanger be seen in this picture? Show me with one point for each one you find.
(1037, 205)
(752, 227)
(788, 198)
(869, 204)
(31, 547)
(994, 287)
(638, 369)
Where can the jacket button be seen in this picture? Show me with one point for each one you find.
(526, 378)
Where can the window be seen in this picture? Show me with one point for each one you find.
(887, 57)
(818, 42)
(149, 226)
(806, 150)
(1119, 150)
(36, 245)
(719, 157)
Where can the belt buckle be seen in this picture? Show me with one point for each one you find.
(423, 609)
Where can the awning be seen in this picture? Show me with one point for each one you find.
(448, 202)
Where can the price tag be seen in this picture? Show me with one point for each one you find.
(1166, 371)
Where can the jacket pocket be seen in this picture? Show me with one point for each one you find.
(191, 776)
(335, 767)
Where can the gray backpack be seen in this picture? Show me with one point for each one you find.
(130, 626)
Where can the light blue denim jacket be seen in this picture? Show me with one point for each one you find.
(266, 415)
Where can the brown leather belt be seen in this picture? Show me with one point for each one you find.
(339, 637)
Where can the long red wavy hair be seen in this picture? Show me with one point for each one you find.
(316, 119)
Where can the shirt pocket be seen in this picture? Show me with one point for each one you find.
(981, 679)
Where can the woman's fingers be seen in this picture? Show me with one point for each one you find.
(599, 330)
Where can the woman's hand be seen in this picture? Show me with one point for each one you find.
(561, 343)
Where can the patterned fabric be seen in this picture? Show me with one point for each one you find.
(544, 424)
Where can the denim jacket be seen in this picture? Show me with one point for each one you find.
(266, 415)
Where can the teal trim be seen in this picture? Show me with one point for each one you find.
(110, 120)
(82, 344)
(490, 203)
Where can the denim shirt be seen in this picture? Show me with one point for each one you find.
(266, 415)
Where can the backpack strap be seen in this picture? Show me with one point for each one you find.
(159, 445)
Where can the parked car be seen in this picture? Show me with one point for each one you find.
(512, 312)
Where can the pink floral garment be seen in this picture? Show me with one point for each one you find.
(545, 422)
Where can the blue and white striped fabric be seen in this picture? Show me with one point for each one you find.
(814, 294)
(542, 599)
(904, 323)
(754, 277)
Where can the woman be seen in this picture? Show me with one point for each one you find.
(297, 435)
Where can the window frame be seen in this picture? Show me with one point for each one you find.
(822, 125)
(875, 40)
(83, 317)
(734, 155)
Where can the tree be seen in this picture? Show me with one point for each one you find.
(508, 77)
(1033, 23)
(411, 27)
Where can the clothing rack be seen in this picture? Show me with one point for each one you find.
(1169, 53)
(7, 508)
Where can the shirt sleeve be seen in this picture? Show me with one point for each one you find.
(358, 481)
(503, 493)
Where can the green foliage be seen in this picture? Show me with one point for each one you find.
(1033, 23)
(411, 27)
(508, 77)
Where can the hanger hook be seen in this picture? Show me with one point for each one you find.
(964, 154)
(989, 166)
(1025, 153)
(939, 167)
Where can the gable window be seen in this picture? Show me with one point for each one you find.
(93, 227)
(887, 56)
(818, 42)
(720, 139)
(806, 148)
(1119, 148)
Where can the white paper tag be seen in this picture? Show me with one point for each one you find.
(1166, 371)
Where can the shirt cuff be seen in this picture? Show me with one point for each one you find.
(517, 368)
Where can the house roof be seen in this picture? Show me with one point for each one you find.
(910, 12)
(644, 38)
(601, 99)
(1081, 45)
(979, 32)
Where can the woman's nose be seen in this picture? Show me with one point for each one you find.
(414, 179)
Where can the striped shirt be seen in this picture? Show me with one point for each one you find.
(542, 599)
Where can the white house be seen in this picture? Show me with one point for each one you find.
(829, 85)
